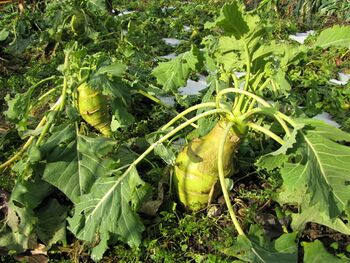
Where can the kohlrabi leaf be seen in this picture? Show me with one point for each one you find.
(316, 214)
(315, 175)
(167, 153)
(107, 213)
(174, 73)
(338, 36)
(51, 226)
(75, 161)
(18, 106)
(256, 247)
(19, 229)
(233, 21)
(116, 69)
(4, 34)
(227, 53)
(320, 175)
(277, 158)
(121, 117)
(315, 252)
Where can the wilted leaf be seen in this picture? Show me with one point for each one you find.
(18, 231)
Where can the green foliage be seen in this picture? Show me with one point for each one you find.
(257, 249)
(27, 221)
(315, 251)
(315, 181)
(69, 177)
(93, 211)
(74, 161)
(338, 36)
(173, 74)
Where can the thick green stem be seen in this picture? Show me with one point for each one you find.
(236, 82)
(47, 94)
(248, 62)
(243, 92)
(280, 117)
(30, 139)
(24, 147)
(59, 106)
(65, 82)
(222, 179)
(267, 132)
(238, 107)
(262, 87)
(42, 81)
(185, 112)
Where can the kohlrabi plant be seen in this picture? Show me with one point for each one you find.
(312, 158)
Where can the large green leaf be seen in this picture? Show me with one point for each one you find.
(106, 214)
(174, 73)
(75, 161)
(233, 21)
(321, 174)
(318, 178)
(338, 36)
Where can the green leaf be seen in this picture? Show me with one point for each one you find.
(18, 108)
(256, 248)
(106, 214)
(51, 226)
(121, 117)
(338, 36)
(227, 53)
(34, 154)
(319, 180)
(279, 157)
(174, 73)
(98, 6)
(315, 252)
(231, 20)
(116, 69)
(18, 232)
(167, 153)
(4, 34)
(75, 161)
(315, 214)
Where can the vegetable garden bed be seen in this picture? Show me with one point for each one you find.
(171, 131)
